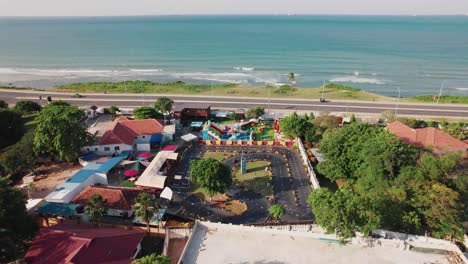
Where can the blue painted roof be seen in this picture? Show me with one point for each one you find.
(94, 167)
(90, 156)
(59, 209)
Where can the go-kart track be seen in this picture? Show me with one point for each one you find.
(291, 189)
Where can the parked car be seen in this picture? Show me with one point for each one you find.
(77, 96)
(322, 100)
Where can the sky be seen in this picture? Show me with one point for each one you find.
(181, 7)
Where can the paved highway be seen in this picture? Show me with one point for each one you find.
(132, 100)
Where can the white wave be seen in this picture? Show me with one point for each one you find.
(146, 70)
(244, 68)
(356, 73)
(461, 89)
(355, 79)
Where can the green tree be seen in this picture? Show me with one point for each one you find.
(456, 130)
(3, 104)
(113, 109)
(57, 103)
(325, 122)
(27, 107)
(361, 149)
(145, 207)
(439, 169)
(276, 211)
(291, 77)
(164, 105)
(440, 207)
(96, 208)
(212, 175)
(16, 225)
(153, 259)
(234, 116)
(352, 119)
(146, 112)
(18, 159)
(255, 112)
(11, 128)
(298, 126)
(59, 132)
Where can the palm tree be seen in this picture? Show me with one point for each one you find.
(145, 207)
(31, 186)
(276, 211)
(96, 208)
(292, 78)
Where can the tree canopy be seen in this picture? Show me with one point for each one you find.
(3, 104)
(27, 107)
(153, 259)
(145, 207)
(59, 132)
(96, 208)
(276, 211)
(18, 159)
(298, 126)
(145, 112)
(387, 185)
(255, 112)
(212, 175)
(360, 149)
(113, 109)
(163, 105)
(16, 225)
(11, 128)
(57, 103)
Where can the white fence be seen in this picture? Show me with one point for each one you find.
(310, 169)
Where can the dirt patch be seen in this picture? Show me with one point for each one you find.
(235, 207)
(50, 177)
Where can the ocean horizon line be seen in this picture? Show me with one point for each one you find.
(240, 15)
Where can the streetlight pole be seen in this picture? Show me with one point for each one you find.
(269, 98)
(440, 91)
(212, 89)
(398, 101)
(323, 89)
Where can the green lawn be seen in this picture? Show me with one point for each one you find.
(216, 155)
(262, 183)
(268, 133)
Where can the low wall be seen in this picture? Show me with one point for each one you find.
(246, 143)
(310, 169)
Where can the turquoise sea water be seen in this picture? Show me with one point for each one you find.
(377, 53)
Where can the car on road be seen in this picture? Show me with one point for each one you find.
(322, 100)
(77, 96)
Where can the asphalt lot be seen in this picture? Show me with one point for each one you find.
(133, 100)
(286, 185)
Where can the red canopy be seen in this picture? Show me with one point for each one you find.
(130, 173)
(145, 155)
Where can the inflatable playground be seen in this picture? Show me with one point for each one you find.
(242, 131)
(211, 131)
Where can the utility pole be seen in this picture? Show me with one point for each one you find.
(323, 89)
(212, 88)
(269, 99)
(440, 91)
(398, 101)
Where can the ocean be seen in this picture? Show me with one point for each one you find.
(375, 53)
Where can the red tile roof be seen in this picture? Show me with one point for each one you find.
(429, 137)
(124, 130)
(73, 243)
(116, 198)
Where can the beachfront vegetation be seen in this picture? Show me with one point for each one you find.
(212, 175)
(145, 112)
(27, 107)
(331, 91)
(95, 208)
(59, 132)
(16, 225)
(145, 207)
(11, 128)
(444, 99)
(164, 105)
(255, 112)
(386, 183)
